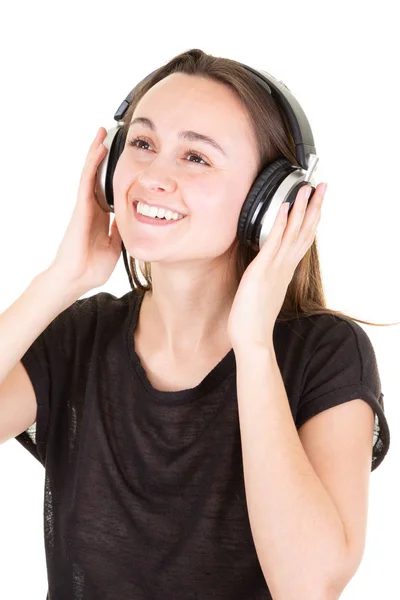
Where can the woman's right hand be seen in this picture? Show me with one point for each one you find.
(88, 255)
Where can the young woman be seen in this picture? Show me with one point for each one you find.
(210, 434)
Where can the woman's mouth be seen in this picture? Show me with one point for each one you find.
(153, 220)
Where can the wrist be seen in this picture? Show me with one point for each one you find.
(57, 285)
(254, 352)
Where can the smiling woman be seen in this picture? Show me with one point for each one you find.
(212, 431)
(267, 123)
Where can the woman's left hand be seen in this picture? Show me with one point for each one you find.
(262, 289)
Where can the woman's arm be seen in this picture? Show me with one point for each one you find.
(298, 533)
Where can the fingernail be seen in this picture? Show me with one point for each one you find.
(307, 193)
(323, 189)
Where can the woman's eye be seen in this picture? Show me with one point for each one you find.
(134, 142)
(192, 153)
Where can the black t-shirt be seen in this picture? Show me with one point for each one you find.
(144, 493)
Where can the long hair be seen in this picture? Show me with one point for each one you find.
(305, 294)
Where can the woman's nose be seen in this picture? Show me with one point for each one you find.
(158, 173)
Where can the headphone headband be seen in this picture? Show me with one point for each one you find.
(298, 122)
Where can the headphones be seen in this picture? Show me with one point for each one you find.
(278, 182)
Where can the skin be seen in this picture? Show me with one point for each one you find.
(192, 262)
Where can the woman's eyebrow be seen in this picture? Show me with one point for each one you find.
(190, 136)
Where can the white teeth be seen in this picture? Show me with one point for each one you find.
(153, 211)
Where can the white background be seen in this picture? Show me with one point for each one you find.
(65, 68)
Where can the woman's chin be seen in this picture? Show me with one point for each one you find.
(145, 252)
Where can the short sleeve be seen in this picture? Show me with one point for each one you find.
(49, 363)
(343, 367)
(36, 363)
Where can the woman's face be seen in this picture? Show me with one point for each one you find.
(194, 178)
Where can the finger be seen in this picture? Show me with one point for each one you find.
(299, 207)
(89, 171)
(94, 148)
(312, 214)
(298, 220)
(99, 137)
(273, 241)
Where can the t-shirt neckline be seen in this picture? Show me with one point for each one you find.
(210, 382)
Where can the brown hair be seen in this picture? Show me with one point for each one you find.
(305, 294)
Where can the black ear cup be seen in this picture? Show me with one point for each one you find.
(115, 152)
(259, 199)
